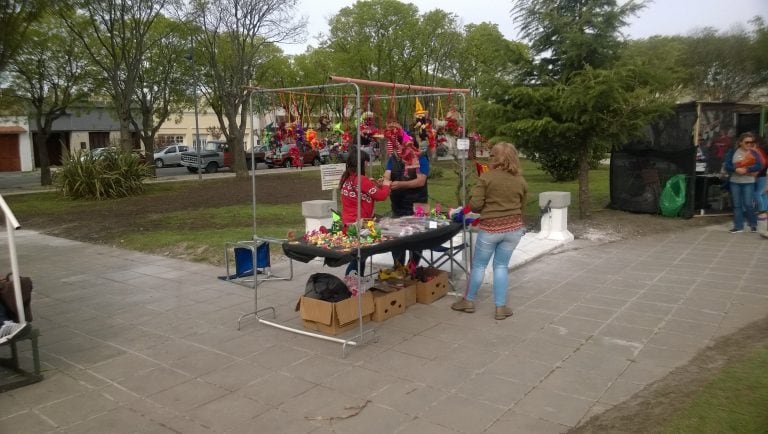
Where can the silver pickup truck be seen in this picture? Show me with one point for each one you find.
(211, 158)
(215, 155)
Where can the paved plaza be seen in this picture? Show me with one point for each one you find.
(132, 342)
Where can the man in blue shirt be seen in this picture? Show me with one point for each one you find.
(407, 169)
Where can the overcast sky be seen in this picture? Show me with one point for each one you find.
(662, 17)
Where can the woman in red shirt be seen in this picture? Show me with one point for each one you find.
(370, 192)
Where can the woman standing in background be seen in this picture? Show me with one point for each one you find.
(742, 163)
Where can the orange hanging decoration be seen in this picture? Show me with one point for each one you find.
(481, 168)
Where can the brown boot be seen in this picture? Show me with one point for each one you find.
(464, 305)
(502, 312)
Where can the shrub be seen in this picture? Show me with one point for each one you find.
(560, 166)
(435, 172)
(111, 174)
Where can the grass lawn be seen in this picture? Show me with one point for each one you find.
(735, 401)
(199, 231)
(444, 188)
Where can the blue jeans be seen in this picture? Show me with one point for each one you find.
(352, 266)
(500, 246)
(742, 196)
(761, 198)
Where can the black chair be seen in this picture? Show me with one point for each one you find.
(451, 254)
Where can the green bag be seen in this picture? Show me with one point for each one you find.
(673, 196)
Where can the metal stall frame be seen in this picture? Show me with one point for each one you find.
(26, 331)
(359, 338)
(436, 91)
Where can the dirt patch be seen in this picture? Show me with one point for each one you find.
(605, 225)
(103, 222)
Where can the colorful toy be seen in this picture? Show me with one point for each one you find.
(459, 215)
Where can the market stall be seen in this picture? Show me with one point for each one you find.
(344, 105)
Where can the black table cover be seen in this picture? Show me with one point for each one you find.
(304, 252)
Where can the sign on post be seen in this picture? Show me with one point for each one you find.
(330, 175)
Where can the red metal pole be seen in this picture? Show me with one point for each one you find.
(395, 85)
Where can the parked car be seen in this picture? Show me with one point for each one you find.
(96, 153)
(282, 157)
(214, 156)
(259, 155)
(169, 156)
(441, 150)
(138, 153)
(335, 155)
(102, 153)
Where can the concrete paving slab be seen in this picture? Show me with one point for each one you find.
(140, 342)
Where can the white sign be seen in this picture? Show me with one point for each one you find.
(462, 144)
(330, 175)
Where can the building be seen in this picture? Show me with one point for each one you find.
(15, 144)
(83, 129)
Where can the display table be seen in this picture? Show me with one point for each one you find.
(428, 239)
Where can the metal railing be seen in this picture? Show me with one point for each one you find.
(11, 225)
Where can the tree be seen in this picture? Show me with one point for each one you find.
(236, 42)
(580, 103)
(760, 44)
(486, 58)
(662, 58)
(375, 40)
(117, 39)
(726, 66)
(162, 81)
(308, 69)
(438, 50)
(569, 35)
(16, 16)
(50, 74)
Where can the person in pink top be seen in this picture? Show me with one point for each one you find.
(370, 192)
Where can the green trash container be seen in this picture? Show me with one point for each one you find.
(673, 196)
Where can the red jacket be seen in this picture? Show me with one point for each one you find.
(369, 193)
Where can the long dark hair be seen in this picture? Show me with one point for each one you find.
(352, 164)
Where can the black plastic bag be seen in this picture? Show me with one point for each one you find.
(326, 287)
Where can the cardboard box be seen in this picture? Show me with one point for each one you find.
(435, 288)
(388, 304)
(410, 292)
(406, 285)
(334, 318)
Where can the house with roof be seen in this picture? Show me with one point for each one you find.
(82, 129)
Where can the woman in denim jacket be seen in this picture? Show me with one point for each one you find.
(742, 163)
